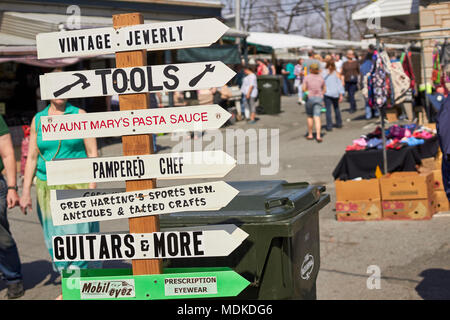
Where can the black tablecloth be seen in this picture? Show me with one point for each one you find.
(363, 163)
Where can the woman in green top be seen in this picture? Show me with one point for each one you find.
(39, 153)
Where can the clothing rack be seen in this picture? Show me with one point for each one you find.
(401, 34)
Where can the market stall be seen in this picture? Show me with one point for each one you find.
(395, 173)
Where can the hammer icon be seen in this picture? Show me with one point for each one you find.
(81, 79)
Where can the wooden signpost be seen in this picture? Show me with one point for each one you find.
(141, 202)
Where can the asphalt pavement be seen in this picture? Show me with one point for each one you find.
(412, 257)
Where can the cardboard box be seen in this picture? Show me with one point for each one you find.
(392, 114)
(416, 209)
(407, 185)
(359, 210)
(368, 189)
(438, 183)
(431, 163)
(440, 202)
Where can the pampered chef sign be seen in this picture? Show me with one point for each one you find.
(107, 289)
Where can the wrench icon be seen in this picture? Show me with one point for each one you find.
(196, 79)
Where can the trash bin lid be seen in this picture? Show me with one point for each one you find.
(257, 201)
(269, 77)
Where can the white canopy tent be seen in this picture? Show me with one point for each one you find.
(285, 41)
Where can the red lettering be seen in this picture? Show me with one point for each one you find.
(126, 122)
(110, 123)
(95, 125)
(196, 117)
(76, 126)
(46, 128)
(204, 116)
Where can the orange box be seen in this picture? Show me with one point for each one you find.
(407, 185)
(415, 209)
(431, 163)
(440, 201)
(358, 210)
(368, 190)
(392, 114)
(438, 183)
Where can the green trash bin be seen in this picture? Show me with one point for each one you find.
(281, 255)
(269, 94)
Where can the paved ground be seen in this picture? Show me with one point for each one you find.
(414, 257)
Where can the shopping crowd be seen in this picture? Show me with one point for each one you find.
(319, 81)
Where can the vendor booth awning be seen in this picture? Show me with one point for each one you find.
(285, 41)
(18, 30)
(228, 54)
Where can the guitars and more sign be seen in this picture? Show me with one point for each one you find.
(194, 197)
(158, 245)
(153, 36)
(107, 82)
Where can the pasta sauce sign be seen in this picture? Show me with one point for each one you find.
(145, 121)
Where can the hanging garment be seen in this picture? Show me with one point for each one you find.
(377, 85)
(408, 69)
(436, 74)
(398, 80)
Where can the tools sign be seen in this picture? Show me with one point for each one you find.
(107, 82)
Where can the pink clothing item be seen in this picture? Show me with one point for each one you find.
(360, 142)
(314, 85)
(407, 133)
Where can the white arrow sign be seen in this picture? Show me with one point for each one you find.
(194, 197)
(214, 241)
(153, 36)
(142, 121)
(201, 164)
(107, 82)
